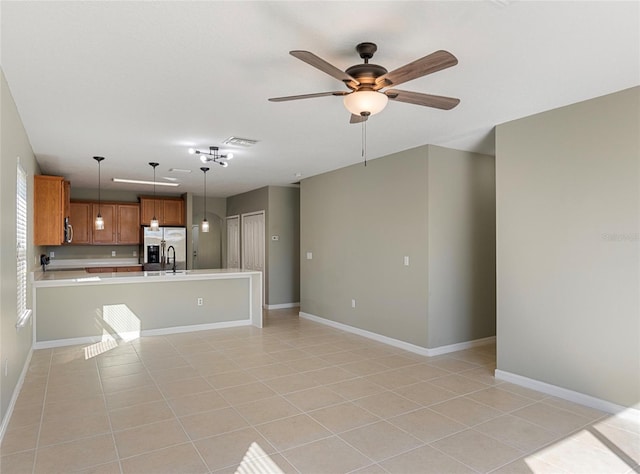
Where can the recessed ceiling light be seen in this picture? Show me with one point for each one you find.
(298, 175)
(138, 181)
(179, 170)
(246, 142)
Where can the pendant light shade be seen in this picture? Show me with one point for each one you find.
(204, 226)
(99, 222)
(154, 224)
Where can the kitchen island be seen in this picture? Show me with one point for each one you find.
(76, 307)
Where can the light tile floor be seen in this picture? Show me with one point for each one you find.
(312, 398)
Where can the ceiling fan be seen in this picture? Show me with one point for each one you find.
(367, 80)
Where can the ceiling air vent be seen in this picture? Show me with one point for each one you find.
(237, 141)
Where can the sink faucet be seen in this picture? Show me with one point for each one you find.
(171, 247)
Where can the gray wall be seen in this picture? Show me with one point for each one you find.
(568, 235)
(284, 254)
(431, 204)
(461, 224)
(282, 211)
(14, 345)
(212, 246)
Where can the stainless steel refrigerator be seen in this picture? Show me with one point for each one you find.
(156, 248)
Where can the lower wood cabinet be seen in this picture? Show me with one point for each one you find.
(100, 269)
(130, 268)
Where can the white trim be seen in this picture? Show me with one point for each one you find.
(565, 394)
(147, 332)
(461, 346)
(397, 343)
(14, 397)
(282, 306)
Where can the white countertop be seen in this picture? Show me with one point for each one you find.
(80, 277)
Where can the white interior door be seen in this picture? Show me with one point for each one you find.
(252, 249)
(233, 242)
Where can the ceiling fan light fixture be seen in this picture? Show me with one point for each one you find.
(365, 102)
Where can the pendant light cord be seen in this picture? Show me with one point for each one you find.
(99, 198)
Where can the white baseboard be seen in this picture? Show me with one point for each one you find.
(566, 394)
(396, 342)
(282, 306)
(14, 397)
(148, 332)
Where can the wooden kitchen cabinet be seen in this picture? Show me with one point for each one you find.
(100, 269)
(168, 211)
(51, 206)
(132, 268)
(121, 223)
(81, 222)
(106, 236)
(128, 216)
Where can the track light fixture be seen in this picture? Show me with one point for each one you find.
(212, 156)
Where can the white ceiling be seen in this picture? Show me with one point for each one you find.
(143, 81)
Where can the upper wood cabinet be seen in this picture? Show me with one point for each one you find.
(81, 222)
(168, 211)
(121, 223)
(128, 224)
(51, 206)
(108, 235)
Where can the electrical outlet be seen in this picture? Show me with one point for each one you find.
(113, 253)
(309, 255)
(200, 301)
(353, 303)
(406, 260)
(52, 255)
(135, 254)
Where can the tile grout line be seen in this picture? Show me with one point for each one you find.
(44, 402)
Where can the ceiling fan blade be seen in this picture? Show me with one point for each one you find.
(428, 100)
(307, 96)
(358, 118)
(324, 66)
(420, 67)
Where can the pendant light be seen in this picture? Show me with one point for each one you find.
(99, 224)
(205, 222)
(154, 224)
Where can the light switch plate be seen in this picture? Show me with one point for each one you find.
(406, 260)
(309, 255)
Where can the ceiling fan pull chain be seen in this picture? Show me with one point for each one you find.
(364, 141)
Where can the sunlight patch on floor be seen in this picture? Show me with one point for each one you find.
(592, 449)
(256, 461)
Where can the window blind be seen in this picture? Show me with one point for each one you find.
(21, 245)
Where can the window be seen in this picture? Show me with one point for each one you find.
(21, 245)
